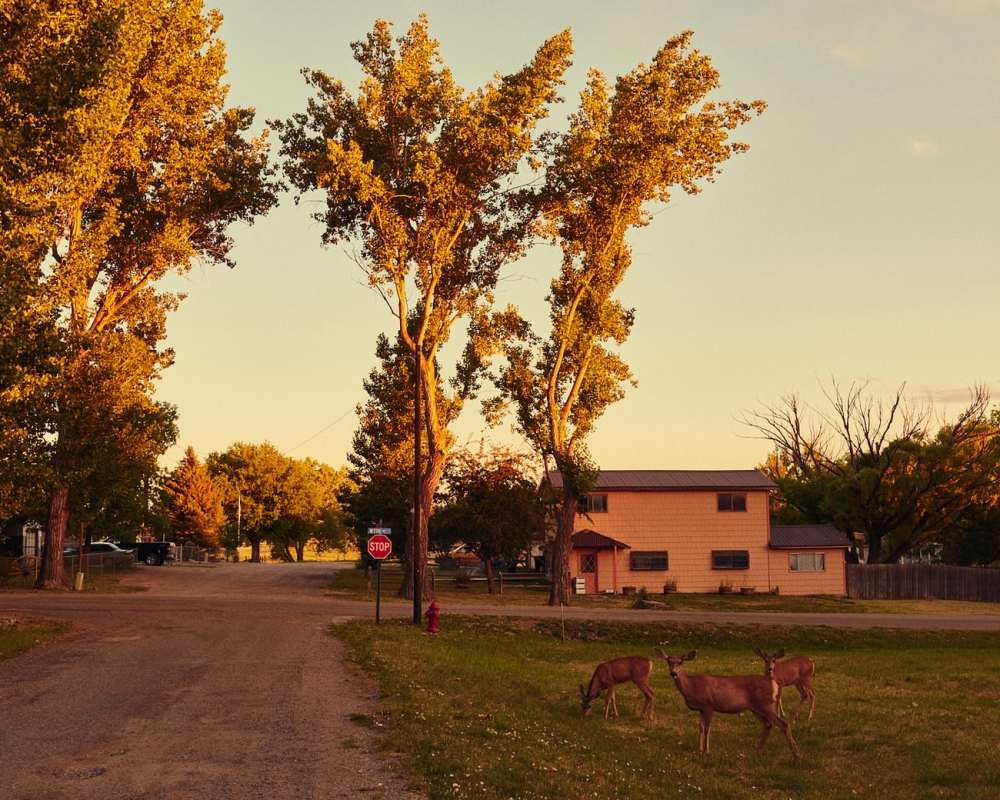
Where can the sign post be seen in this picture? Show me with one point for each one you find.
(379, 548)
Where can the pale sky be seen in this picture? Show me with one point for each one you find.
(858, 238)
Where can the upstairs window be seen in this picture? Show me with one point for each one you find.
(594, 504)
(730, 559)
(653, 560)
(807, 562)
(731, 502)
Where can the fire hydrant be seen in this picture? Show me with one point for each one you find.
(432, 614)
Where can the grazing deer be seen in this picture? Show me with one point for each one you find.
(797, 671)
(728, 694)
(619, 670)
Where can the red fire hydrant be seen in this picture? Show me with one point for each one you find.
(432, 614)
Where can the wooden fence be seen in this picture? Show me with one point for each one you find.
(923, 582)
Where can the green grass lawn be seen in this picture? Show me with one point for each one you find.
(351, 584)
(490, 709)
(16, 636)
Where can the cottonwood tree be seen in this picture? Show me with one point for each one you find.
(876, 465)
(310, 509)
(52, 59)
(628, 146)
(417, 173)
(193, 502)
(251, 477)
(159, 169)
(492, 503)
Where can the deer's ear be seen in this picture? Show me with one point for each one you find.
(758, 652)
(690, 656)
(780, 654)
(661, 654)
(582, 692)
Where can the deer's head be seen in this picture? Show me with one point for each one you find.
(675, 662)
(585, 701)
(769, 661)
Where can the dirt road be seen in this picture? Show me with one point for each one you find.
(218, 683)
(222, 682)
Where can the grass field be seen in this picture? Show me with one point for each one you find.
(351, 584)
(16, 636)
(490, 709)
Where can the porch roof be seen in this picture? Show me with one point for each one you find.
(592, 540)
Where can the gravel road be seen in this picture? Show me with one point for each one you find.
(222, 682)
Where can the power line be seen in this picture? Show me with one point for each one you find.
(321, 430)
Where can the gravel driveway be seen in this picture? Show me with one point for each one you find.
(220, 682)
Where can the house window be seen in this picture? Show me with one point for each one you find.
(651, 560)
(594, 504)
(731, 502)
(588, 562)
(807, 562)
(730, 559)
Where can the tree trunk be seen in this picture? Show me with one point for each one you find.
(562, 547)
(255, 551)
(874, 548)
(50, 573)
(488, 566)
(300, 552)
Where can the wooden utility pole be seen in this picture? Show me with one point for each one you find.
(414, 556)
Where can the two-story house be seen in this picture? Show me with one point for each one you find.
(698, 529)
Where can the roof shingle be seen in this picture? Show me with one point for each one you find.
(796, 536)
(676, 479)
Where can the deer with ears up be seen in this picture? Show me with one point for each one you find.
(608, 675)
(796, 671)
(728, 694)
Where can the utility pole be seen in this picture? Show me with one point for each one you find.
(415, 555)
(239, 521)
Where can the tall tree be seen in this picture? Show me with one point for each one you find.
(159, 169)
(873, 464)
(310, 509)
(492, 503)
(251, 476)
(193, 502)
(416, 171)
(381, 457)
(627, 146)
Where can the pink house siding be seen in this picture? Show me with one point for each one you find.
(832, 580)
(689, 527)
(677, 512)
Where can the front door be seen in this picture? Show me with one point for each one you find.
(587, 565)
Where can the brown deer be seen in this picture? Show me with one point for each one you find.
(797, 671)
(619, 670)
(728, 694)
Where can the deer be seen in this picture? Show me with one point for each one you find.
(796, 671)
(728, 694)
(609, 674)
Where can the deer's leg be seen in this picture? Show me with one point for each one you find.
(811, 693)
(781, 707)
(706, 730)
(648, 709)
(787, 730)
(767, 719)
(614, 702)
(608, 697)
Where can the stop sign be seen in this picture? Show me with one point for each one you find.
(379, 546)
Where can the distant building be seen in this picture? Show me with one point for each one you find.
(21, 537)
(698, 529)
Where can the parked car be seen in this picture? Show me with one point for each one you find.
(96, 548)
(153, 554)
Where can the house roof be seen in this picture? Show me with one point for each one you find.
(593, 539)
(646, 480)
(797, 536)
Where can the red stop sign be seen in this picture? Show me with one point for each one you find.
(380, 546)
